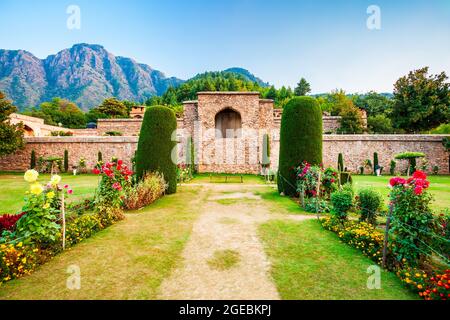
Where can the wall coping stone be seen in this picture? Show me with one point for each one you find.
(75, 139)
(120, 120)
(248, 93)
(384, 137)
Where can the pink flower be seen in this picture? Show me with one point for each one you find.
(66, 186)
(70, 191)
(418, 190)
(117, 186)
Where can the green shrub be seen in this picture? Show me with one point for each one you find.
(369, 201)
(99, 157)
(346, 177)
(435, 169)
(349, 188)
(392, 167)
(33, 160)
(300, 140)
(266, 151)
(154, 152)
(340, 163)
(316, 205)
(66, 160)
(375, 163)
(342, 202)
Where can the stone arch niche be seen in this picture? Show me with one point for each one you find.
(228, 124)
(28, 131)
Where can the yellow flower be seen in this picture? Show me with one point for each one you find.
(31, 176)
(46, 206)
(419, 286)
(55, 179)
(50, 195)
(36, 188)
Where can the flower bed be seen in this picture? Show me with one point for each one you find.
(28, 240)
(418, 241)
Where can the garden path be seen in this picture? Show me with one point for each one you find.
(228, 220)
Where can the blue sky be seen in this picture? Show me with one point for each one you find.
(327, 42)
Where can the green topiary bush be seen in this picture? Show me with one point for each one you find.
(375, 163)
(33, 159)
(66, 160)
(155, 146)
(369, 201)
(300, 140)
(340, 162)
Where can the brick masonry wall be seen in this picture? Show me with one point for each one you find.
(355, 149)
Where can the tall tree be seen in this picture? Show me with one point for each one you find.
(113, 108)
(421, 101)
(59, 111)
(303, 88)
(272, 93)
(11, 136)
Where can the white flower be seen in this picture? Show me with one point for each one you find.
(55, 180)
(31, 176)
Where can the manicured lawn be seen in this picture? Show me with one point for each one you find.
(13, 187)
(439, 188)
(311, 263)
(128, 260)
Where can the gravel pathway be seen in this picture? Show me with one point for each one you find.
(226, 227)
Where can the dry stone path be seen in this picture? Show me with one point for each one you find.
(226, 226)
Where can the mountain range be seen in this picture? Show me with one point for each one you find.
(85, 74)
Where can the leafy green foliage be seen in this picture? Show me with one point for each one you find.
(11, 136)
(113, 108)
(302, 88)
(154, 152)
(374, 104)
(342, 202)
(379, 123)
(369, 201)
(442, 129)
(300, 139)
(59, 111)
(376, 165)
(421, 101)
(409, 155)
(351, 120)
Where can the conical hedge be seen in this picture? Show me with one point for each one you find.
(154, 152)
(300, 140)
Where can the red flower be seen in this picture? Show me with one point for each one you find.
(117, 186)
(119, 162)
(96, 171)
(418, 190)
(397, 181)
(419, 175)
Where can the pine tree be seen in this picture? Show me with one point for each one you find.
(303, 88)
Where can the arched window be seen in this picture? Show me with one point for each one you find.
(228, 124)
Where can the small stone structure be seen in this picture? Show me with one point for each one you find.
(34, 127)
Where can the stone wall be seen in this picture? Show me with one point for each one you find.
(355, 149)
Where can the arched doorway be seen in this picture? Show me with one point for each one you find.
(28, 131)
(228, 124)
